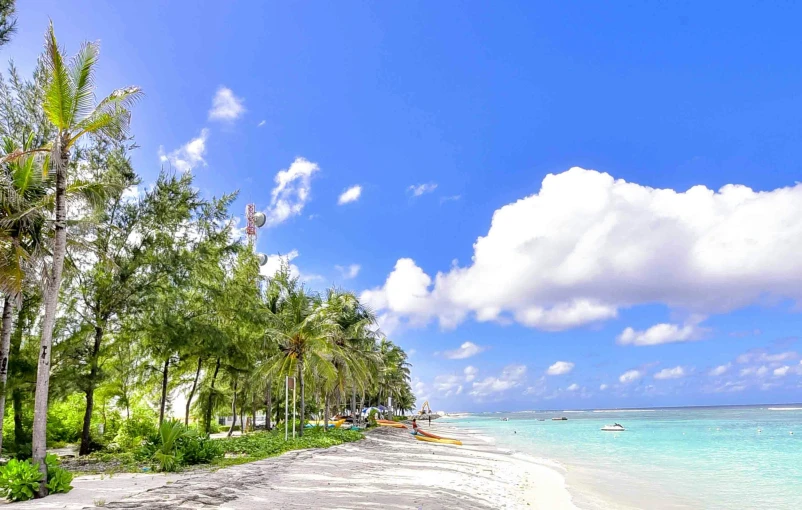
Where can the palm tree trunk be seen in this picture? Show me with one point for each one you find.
(303, 402)
(268, 404)
(16, 395)
(353, 405)
(39, 437)
(90, 392)
(163, 402)
(5, 345)
(326, 413)
(233, 412)
(192, 391)
(211, 398)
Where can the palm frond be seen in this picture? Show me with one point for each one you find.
(82, 77)
(59, 94)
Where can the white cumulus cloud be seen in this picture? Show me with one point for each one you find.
(226, 106)
(189, 155)
(670, 373)
(421, 189)
(352, 194)
(663, 334)
(587, 245)
(466, 350)
(720, 370)
(289, 196)
(560, 368)
(602, 387)
(781, 371)
(470, 373)
(573, 387)
(448, 385)
(348, 272)
(511, 377)
(630, 375)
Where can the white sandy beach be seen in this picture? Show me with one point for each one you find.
(389, 469)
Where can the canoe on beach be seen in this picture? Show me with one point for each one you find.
(442, 441)
(392, 424)
(429, 434)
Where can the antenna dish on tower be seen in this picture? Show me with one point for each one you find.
(259, 219)
(262, 258)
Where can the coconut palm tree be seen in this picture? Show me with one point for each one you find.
(23, 201)
(69, 105)
(301, 331)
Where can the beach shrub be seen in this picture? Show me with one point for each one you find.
(134, 431)
(19, 480)
(267, 444)
(194, 448)
(372, 417)
(167, 456)
(58, 478)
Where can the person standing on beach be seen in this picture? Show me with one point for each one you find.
(414, 426)
(430, 418)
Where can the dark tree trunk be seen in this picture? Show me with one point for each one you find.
(253, 412)
(233, 412)
(303, 403)
(211, 397)
(90, 392)
(192, 391)
(17, 393)
(326, 414)
(5, 345)
(164, 391)
(353, 404)
(268, 405)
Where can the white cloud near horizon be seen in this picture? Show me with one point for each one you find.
(275, 261)
(670, 373)
(466, 350)
(720, 370)
(352, 194)
(470, 373)
(421, 189)
(663, 333)
(188, 156)
(291, 193)
(587, 245)
(511, 376)
(560, 368)
(630, 376)
(226, 106)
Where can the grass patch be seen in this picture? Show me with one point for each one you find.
(261, 445)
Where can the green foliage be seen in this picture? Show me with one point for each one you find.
(196, 449)
(65, 419)
(267, 444)
(372, 417)
(19, 480)
(167, 455)
(134, 431)
(58, 478)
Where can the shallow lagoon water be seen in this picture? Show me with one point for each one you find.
(676, 458)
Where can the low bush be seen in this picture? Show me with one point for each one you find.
(197, 449)
(19, 480)
(58, 478)
(267, 444)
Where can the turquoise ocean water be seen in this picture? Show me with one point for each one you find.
(674, 458)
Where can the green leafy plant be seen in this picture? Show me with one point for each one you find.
(167, 455)
(58, 478)
(196, 449)
(372, 417)
(19, 480)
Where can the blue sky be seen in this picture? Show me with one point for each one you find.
(449, 117)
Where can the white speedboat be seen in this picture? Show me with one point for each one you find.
(616, 427)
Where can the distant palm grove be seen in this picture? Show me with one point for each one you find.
(121, 295)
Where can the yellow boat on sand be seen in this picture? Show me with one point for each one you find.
(394, 425)
(443, 440)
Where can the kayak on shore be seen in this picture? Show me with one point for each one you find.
(421, 437)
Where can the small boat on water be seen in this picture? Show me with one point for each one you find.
(505, 419)
(616, 427)
(541, 419)
(561, 418)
